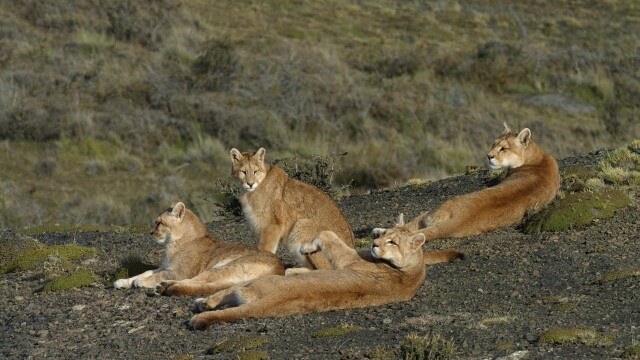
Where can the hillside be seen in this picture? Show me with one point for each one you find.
(559, 294)
(110, 110)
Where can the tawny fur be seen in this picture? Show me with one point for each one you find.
(531, 183)
(284, 209)
(197, 264)
(392, 271)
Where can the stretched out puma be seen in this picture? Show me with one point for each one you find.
(281, 208)
(532, 182)
(391, 271)
(197, 264)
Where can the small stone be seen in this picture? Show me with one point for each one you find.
(386, 321)
(19, 298)
(78, 307)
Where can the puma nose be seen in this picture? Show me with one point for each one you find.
(250, 184)
(490, 156)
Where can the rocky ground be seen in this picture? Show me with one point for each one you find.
(497, 303)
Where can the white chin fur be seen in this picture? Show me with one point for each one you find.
(493, 166)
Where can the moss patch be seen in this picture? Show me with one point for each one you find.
(39, 230)
(576, 210)
(253, 355)
(619, 275)
(70, 281)
(239, 343)
(337, 331)
(36, 256)
(572, 336)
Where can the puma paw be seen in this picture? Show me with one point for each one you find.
(377, 232)
(309, 248)
(163, 287)
(122, 284)
(199, 322)
(201, 304)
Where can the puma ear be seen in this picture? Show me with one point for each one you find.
(178, 210)
(524, 136)
(400, 220)
(507, 129)
(260, 154)
(417, 240)
(235, 155)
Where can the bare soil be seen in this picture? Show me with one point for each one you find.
(496, 303)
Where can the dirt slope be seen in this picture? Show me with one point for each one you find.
(497, 302)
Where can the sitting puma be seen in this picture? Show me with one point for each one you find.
(532, 182)
(195, 263)
(392, 271)
(281, 208)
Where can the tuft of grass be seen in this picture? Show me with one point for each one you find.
(382, 353)
(337, 331)
(499, 320)
(618, 275)
(577, 210)
(73, 280)
(563, 308)
(632, 352)
(428, 347)
(239, 343)
(33, 257)
(572, 335)
(503, 346)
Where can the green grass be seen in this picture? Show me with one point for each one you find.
(109, 112)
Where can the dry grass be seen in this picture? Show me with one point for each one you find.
(409, 90)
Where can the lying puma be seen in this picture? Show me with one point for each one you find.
(281, 208)
(197, 264)
(532, 182)
(392, 271)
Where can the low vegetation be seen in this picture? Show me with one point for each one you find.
(113, 110)
(35, 256)
(428, 347)
(590, 195)
(72, 280)
(573, 335)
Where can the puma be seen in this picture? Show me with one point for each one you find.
(532, 182)
(391, 271)
(197, 264)
(285, 209)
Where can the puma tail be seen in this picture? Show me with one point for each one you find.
(437, 257)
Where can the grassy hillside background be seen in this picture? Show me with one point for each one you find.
(110, 110)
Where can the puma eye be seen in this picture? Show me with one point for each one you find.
(243, 172)
(503, 149)
(255, 172)
(391, 242)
